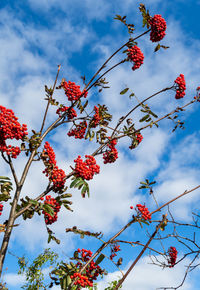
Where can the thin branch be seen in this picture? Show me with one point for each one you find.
(47, 107)
(140, 254)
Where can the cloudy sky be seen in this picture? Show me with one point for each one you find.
(36, 36)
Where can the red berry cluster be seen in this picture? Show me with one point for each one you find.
(144, 211)
(82, 281)
(56, 207)
(79, 131)
(172, 256)
(197, 97)
(139, 138)
(86, 169)
(72, 91)
(56, 175)
(180, 87)
(158, 28)
(92, 271)
(114, 249)
(10, 128)
(96, 118)
(135, 55)
(71, 113)
(110, 155)
(1, 208)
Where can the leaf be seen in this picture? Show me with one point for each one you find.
(153, 114)
(124, 91)
(131, 95)
(74, 182)
(144, 118)
(157, 47)
(100, 259)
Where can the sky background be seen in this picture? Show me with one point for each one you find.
(36, 36)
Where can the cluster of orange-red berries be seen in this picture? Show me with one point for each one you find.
(96, 118)
(144, 211)
(1, 208)
(158, 28)
(111, 155)
(136, 56)
(139, 138)
(71, 113)
(55, 206)
(72, 91)
(197, 97)
(86, 169)
(92, 271)
(56, 175)
(114, 250)
(79, 131)
(172, 256)
(180, 86)
(10, 128)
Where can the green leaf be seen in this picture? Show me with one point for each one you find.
(153, 114)
(124, 91)
(157, 47)
(131, 95)
(144, 118)
(75, 182)
(100, 259)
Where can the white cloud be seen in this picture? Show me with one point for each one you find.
(154, 277)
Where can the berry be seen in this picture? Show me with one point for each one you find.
(180, 86)
(114, 248)
(110, 155)
(136, 56)
(1, 208)
(144, 211)
(79, 131)
(158, 28)
(55, 206)
(72, 91)
(71, 113)
(172, 252)
(131, 207)
(10, 128)
(138, 138)
(86, 169)
(96, 118)
(56, 175)
(91, 272)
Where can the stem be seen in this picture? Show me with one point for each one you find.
(19, 186)
(47, 107)
(140, 255)
(104, 64)
(138, 105)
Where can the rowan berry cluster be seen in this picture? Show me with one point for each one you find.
(1, 208)
(144, 211)
(10, 128)
(92, 271)
(137, 140)
(71, 113)
(180, 86)
(55, 206)
(96, 118)
(111, 155)
(72, 91)
(197, 97)
(158, 28)
(114, 250)
(136, 56)
(79, 131)
(56, 175)
(86, 169)
(82, 281)
(172, 256)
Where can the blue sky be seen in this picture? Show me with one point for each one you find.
(36, 36)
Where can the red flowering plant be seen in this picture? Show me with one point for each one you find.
(95, 126)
